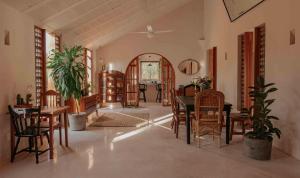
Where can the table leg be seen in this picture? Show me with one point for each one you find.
(188, 128)
(228, 110)
(66, 128)
(51, 136)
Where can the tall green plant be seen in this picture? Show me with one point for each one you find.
(68, 72)
(262, 120)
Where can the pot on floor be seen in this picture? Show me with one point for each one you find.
(258, 149)
(77, 121)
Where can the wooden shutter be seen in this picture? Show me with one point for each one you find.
(57, 42)
(260, 39)
(245, 69)
(167, 81)
(40, 65)
(131, 83)
(212, 66)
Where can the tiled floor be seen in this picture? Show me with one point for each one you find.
(151, 151)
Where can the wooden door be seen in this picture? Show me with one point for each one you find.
(212, 66)
(167, 81)
(131, 83)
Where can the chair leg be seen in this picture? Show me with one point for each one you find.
(243, 127)
(219, 141)
(41, 140)
(231, 129)
(36, 150)
(177, 128)
(48, 138)
(15, 150)
(59, 130)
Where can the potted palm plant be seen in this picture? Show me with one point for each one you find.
(68, 73)
(258, 142)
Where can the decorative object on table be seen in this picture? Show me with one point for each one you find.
(189, 66)
(203, 82)
(28, 98)
(19, 99)
(258, 143)
(68, 73)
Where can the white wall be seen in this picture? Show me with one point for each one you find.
(282, 60)
(187, 23)
(16, 67)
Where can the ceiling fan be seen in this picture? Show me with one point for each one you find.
(150, 32)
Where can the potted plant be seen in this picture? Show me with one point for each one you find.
(68, 73)
(258, 142)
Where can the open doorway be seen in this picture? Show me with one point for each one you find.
(149, 77)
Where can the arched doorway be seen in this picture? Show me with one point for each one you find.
(132, 80)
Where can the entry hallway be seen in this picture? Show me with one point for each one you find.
(151, 151)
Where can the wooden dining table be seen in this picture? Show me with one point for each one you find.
(188, 102)
(50, 113)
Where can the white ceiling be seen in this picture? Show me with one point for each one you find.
(94, 23)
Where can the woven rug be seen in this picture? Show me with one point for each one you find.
(115, 119)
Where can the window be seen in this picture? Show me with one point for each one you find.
(44, 43)
(50, 45)
(40, 80)
(150, 70)
(88, 61)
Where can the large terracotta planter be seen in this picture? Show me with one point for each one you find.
(258, 149)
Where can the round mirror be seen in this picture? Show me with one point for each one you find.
(189, 66)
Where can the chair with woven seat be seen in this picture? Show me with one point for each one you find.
(209, 106)
(179, 115)
(28, 126)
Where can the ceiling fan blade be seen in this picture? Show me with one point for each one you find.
(139, 32)
(164, 31)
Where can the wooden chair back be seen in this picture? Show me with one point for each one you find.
(190, 90)
(22, 121)
(52, 99)
(173, 101)
(209, 106)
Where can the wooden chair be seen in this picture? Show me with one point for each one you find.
(28, 126)
(158, 96)
(143, 89)
(190, 90)
(179, 115)
(209, 113)
(53, 100)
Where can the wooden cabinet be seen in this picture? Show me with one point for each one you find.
(87, 103)
(111, 86)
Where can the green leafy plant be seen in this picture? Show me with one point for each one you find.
(262, 120)
(68, 72)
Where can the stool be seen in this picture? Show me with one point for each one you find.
(158, 96)
(143, 88)
(241, 119)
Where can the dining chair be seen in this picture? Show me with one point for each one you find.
(179, 116)
(53, 100)
(209, 106)
(190, 90)
(158, 95)
(143, 89)
(28, 126)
